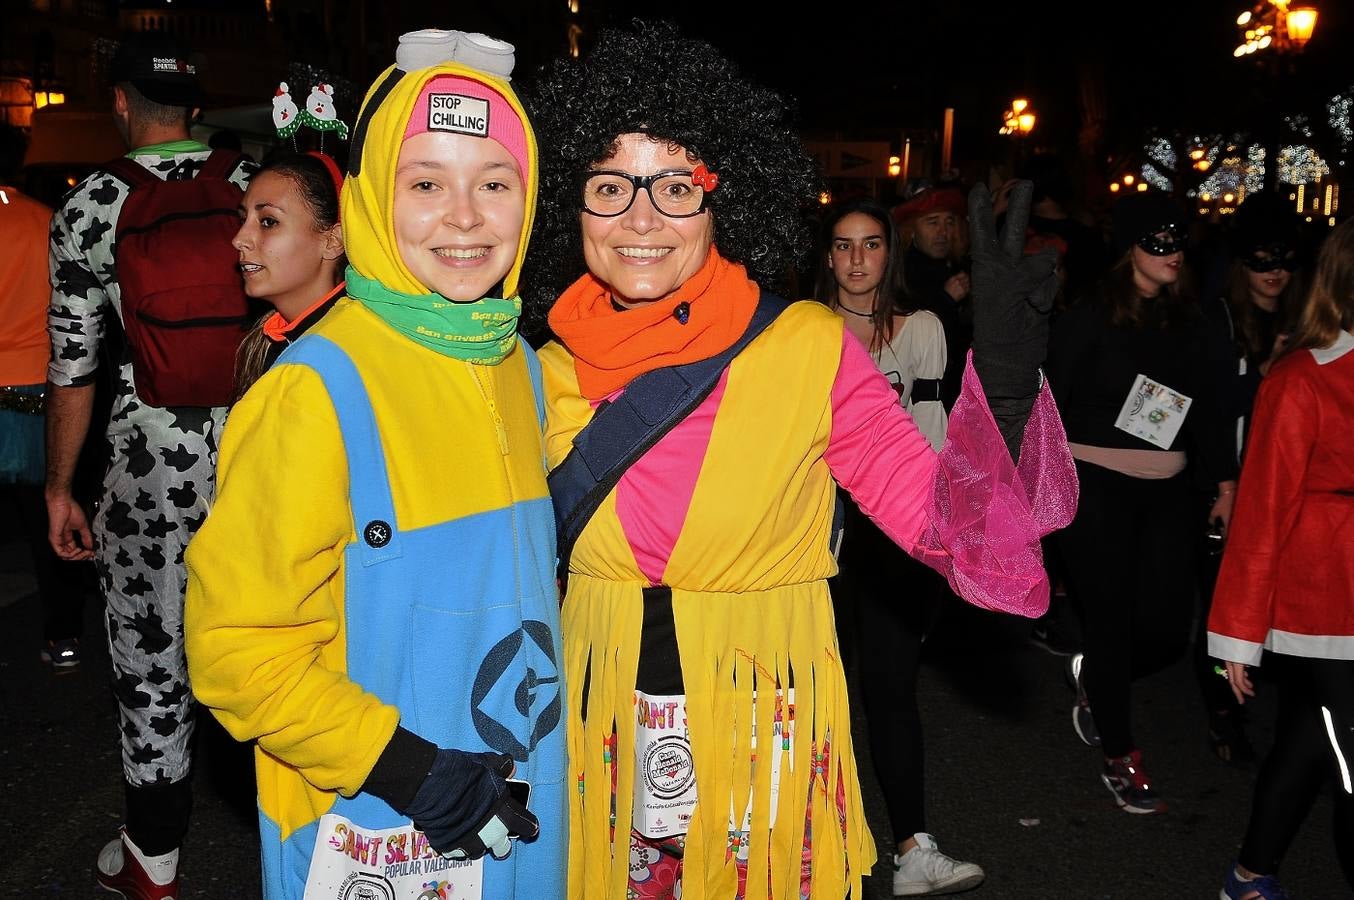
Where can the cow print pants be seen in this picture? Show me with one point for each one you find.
(156, 495)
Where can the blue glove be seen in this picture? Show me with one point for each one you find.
(459, 800)
(464, 808)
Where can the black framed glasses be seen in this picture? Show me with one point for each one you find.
(675, 193)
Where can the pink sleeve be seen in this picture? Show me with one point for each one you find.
(876, 451)
(969, 512)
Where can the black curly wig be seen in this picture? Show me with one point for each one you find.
(650, 79)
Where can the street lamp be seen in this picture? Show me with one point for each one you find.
(1271, 24)
(45, 98)
(1285, 27)
(1019, 119)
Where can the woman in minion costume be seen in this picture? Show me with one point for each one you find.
(373, 596)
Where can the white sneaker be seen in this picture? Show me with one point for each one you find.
(124, 869)
(925, 870)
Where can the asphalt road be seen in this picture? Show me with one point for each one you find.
(1009, 785)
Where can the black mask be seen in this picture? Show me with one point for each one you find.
(1163, 241)
(1270, 258)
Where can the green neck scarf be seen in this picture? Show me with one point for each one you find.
(482, 332)
(170, 148)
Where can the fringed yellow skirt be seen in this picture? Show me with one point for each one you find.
(732, 645)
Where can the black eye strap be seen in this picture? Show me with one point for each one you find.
(378, 97)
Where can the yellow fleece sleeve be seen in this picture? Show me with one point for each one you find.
(263, 618)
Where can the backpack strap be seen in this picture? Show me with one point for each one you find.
(622, 431)
(129, 172)
(221, 164)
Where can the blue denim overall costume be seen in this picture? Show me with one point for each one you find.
(401, 607)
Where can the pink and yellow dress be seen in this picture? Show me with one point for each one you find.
(732, 512)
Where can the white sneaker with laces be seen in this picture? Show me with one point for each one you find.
(925, 870)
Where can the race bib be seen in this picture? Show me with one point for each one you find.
(665, 770)
(355, 863)
(1153, 412)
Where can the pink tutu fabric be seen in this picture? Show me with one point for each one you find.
(988, 514)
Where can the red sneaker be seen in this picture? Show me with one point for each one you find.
(124, 869)
(1129, 784)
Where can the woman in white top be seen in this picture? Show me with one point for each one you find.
(885, 600)
(862, 282)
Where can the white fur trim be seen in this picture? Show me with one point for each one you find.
(1343, 344)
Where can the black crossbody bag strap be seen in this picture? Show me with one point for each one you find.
(622, 431)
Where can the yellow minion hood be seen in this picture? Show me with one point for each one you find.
(485, 106)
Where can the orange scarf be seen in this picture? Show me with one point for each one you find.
(277, 328)
(611, 347)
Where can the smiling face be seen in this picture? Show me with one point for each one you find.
(1152, 273)
(857, 258)
(283, 257)
(459, 206)
(643, 255)
(1265, 288)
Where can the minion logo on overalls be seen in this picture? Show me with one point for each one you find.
(535, 695)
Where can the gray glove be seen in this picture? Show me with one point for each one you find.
(1012, 297)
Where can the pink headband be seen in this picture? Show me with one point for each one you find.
(459, 105)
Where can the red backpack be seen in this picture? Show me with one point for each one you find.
(184, 308)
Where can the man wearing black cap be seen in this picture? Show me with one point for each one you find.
(160, 477)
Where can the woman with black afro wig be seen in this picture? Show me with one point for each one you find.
(694, 98)
(700, 651)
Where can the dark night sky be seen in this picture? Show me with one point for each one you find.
(895, 65)
(870, 70)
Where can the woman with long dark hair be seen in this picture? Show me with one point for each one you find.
(860, 278)
(1137, 374)
(1287, 579)
(1253, 316)
(291, 254)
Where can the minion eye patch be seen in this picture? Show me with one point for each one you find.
(458, 114)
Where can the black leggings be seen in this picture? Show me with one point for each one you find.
(1304, 759)
(885, 602)
(157, 815)
(1129, 555)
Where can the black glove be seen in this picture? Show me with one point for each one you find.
(460, 802)
(1012, 297)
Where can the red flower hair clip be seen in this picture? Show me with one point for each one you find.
(704, 179)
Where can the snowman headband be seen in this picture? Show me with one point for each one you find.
(318, 113)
